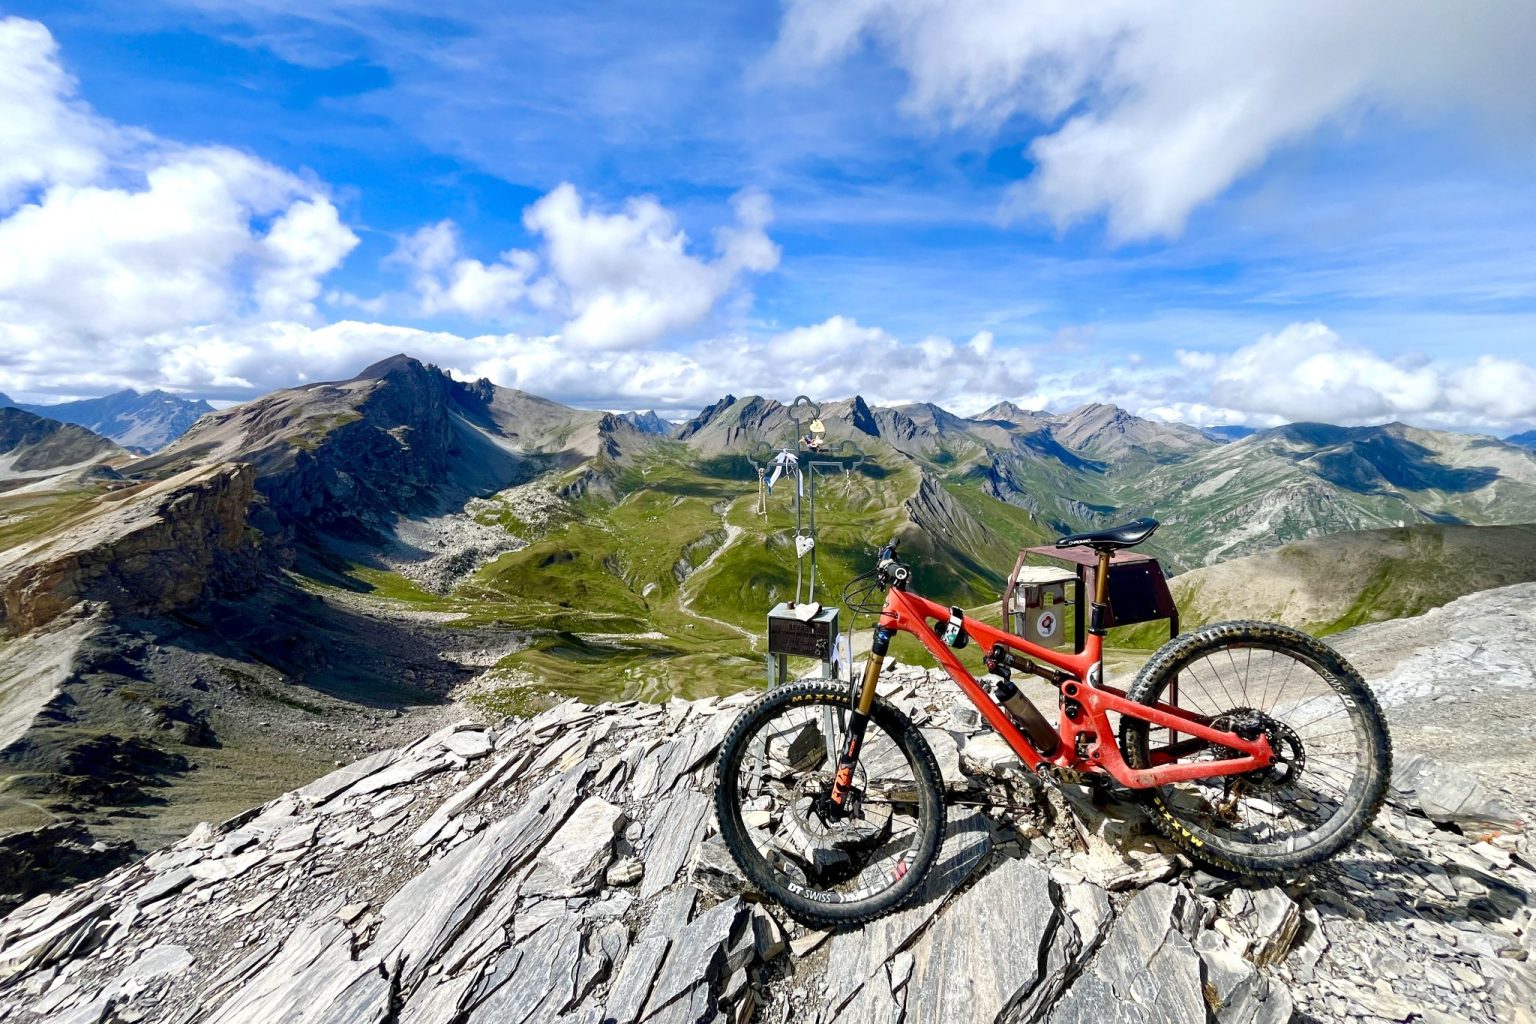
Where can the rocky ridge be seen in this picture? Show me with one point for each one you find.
(35, 451)
(156, 550)
(648, 423)
(565, 867)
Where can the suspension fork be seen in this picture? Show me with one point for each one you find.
(858, 720)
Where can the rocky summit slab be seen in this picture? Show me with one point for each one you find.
(494, 896)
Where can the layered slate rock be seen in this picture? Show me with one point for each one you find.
(985, 953)
(1146, 962)
(567, 868)
(1449, 795)
(576, 857)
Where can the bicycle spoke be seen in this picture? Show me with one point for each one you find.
(854, 851)
(1316, 740)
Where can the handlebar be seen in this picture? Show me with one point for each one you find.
(890, 572)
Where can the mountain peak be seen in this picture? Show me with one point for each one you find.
(393, 365)
(863, 418)
(1008, 412)
(1100, 411)
(706, 416)
(1102, 431)
(648, 422)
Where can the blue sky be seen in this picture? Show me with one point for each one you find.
(1199, 212)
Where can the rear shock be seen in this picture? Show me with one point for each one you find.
(1020, 708)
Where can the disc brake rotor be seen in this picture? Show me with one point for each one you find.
(1285, 745)
(828, 841)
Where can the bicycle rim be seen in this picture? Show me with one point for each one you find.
(791, 840)
(1303, 808)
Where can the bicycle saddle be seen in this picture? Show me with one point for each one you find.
(1126, 536)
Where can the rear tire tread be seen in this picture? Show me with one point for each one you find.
(1149, 684)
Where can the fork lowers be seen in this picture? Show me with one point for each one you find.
(1028, 718)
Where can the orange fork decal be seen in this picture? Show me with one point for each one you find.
(844, 778)
(840, 787)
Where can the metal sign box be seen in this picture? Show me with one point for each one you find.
(1138, 592)
(790, 635)
(1042, 607)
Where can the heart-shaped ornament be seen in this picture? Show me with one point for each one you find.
(804, 545)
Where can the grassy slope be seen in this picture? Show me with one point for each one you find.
(1331, 583)
(601, 589)
(613, 595)
(24, 517)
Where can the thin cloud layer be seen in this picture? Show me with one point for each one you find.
(1152, 107)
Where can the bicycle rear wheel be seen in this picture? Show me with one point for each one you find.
(828, 865)
(1333, 752)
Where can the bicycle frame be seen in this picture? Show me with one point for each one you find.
(1089, 730)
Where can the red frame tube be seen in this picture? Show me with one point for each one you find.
(910, 613)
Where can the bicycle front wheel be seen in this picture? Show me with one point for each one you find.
(1333, 754)
(828, 865)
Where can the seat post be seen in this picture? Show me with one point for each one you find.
(1098, 612)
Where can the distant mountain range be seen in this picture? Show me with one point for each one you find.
(403, 438)
(138, 421)
(649, 423)
(1525, 440)
(1216, 498)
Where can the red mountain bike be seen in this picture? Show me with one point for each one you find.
(1257, 747)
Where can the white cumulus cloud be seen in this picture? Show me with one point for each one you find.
(627, 277)
(1307, 372)
(1151, 107)
(617, 279)
(447, 281)
(107, 232)
(46, 134)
